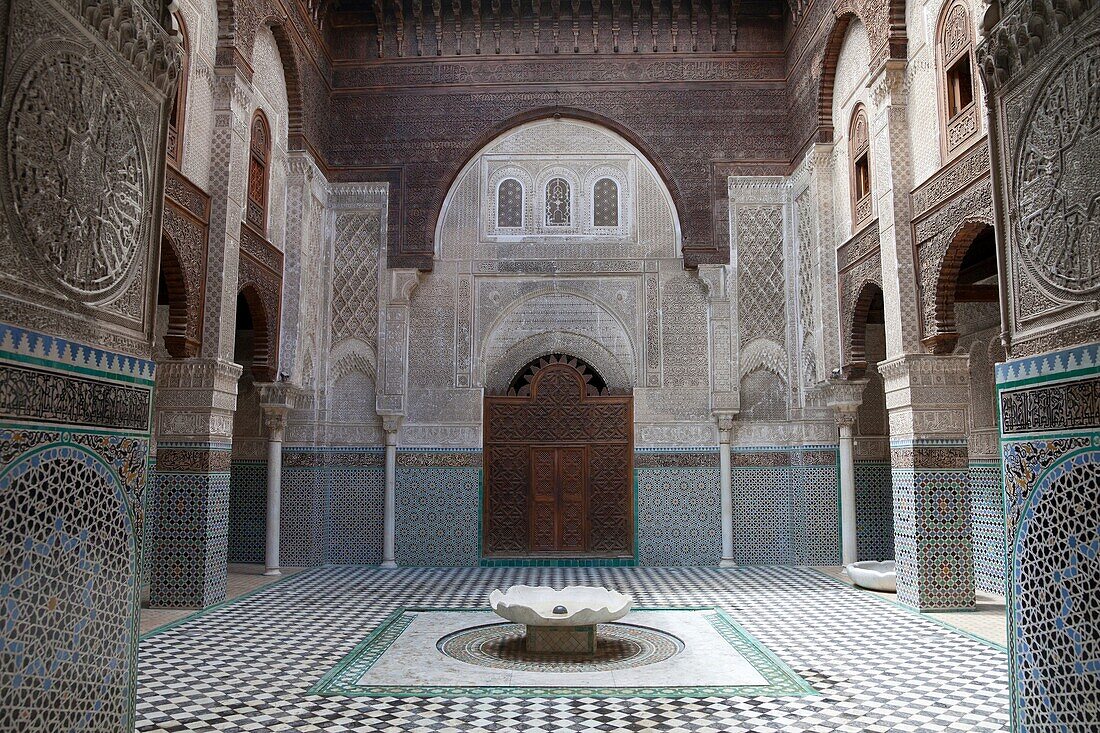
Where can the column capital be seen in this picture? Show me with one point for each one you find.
(391, 424)
(844, 395)
(725, 422)
(714, 278)
(402, 282)
(890, 84)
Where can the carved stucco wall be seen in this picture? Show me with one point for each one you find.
(200, 17)
(269, 83)
(922, 23)
(617, 297)
(852, 71)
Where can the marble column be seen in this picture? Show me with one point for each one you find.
(845, 397)
(391, 424)
(725, 428)
(276, 401)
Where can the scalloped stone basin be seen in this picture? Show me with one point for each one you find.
(560, 621)
(873, 575)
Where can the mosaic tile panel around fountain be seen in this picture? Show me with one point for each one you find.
(74, 438)
(1049, 409)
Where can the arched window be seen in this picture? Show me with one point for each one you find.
(558, 204)
(259, 155)
(859, 145)
(955, 49)
(509, 204)
(175, 114)
(605, 203)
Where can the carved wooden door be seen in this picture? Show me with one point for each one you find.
(558, 466)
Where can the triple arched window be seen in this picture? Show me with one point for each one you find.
(601, 212)
(859, 147)
(955, 64)
(259, 159)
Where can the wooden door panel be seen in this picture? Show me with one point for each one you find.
(572, 496)
(558, 473)
(544, 499)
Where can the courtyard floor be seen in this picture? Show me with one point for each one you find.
(835, 659)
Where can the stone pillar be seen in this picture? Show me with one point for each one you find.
(845, 397)
(276, 402)
(892, 167)
(391, 424)
(195, 401)
(228, 180)
(725, 429)
(928, 398)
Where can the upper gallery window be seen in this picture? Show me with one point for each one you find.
(509, 204)
(605, 203)
(259, 155)
(175, 115)
(558, 204)
(859, 145)
(955, 49)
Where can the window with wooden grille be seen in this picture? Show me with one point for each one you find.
(259, 155)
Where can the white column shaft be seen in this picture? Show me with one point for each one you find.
(390, 503)
(847, 496)
(727, 498)
(274, 498)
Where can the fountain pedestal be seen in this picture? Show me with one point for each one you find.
(561, 639)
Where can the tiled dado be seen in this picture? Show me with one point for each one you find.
(932, 536)
(189, 529)
(1049, 409)
(786, 505)
(332, 505)
(874, 510)
(247, 511)
(74, 452)
(987, 525)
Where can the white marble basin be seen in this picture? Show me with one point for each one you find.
(534, 605)
(874, 575)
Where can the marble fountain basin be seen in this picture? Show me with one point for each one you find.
(874, 575)
(560, 621)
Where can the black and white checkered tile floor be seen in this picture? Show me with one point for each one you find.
(248, 665)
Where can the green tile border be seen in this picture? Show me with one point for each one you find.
(922, 614)
(342, 680)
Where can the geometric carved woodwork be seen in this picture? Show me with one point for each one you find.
(260, 281)
(558, 467)
(183, 261)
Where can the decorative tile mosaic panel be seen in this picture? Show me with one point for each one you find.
(353, 520)
(678, 516)
(815, 507)
(874, 511)
(438, 515)
(932, 540)
(190, 550)
(988, 527)
(72, 504)
(248, 511)
(1050, 441)
(761, 515)
(302, 513)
